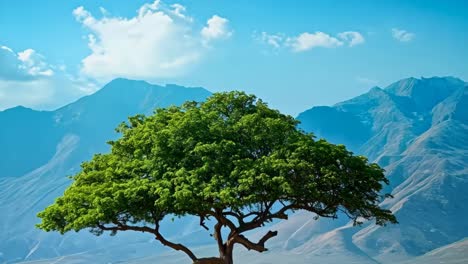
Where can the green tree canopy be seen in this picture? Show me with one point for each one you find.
(231, 160)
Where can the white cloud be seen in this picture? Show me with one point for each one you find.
(274, 40)
(158, 42)
(104, 11)
(352, 37)
(6, 48)
(24, 65)
(306, 41)
(216, 28)
(34, 63)
(26, 78)
(148, 8)
(45, 93)
(179, 10)
(29, 93)
(402, 35)
(10, 65)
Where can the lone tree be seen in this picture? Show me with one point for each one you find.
(230, 161)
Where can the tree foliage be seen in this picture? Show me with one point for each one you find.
(232, 160)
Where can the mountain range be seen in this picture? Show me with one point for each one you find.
(417, 129)
(41, 148)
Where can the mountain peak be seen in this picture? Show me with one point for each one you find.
(18, 108)
(375, 89)
(425, 92)
(122, 83)
(404, 87)
(125, 80)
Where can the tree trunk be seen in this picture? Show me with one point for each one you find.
(228, 259)
(227, 256)
(209, 261)
(225, 259)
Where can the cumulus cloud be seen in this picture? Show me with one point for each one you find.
(306, 41)
(26, 78)
(158, 42)
(216, 28)
(402, 35)
(34, 63)
(24, 65)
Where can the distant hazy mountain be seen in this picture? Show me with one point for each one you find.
(416, 128)
(39, 149)
(28, 137)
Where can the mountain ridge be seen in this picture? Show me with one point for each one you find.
(423, 151)
(425, 160)
(42, 152)
(107, 107)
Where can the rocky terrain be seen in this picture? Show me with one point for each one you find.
(417, 129)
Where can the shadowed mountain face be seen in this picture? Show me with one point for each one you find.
(40, 149)
(24, 132)
(416, 128)
(29, 138)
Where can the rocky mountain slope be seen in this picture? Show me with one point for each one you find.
(417, 129)
(40, 149)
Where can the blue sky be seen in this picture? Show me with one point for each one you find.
(293, 54)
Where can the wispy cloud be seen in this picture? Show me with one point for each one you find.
(273, 40)
(307, 41)
(353, 38)
(402, 35)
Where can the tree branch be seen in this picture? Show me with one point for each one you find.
(239, 216)
(267, 236)
(122, 227)
(250, 214)
(173, 245)
(219, 238)
(218, 214)
(202, 223)
(259, 246)
(264, 216)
